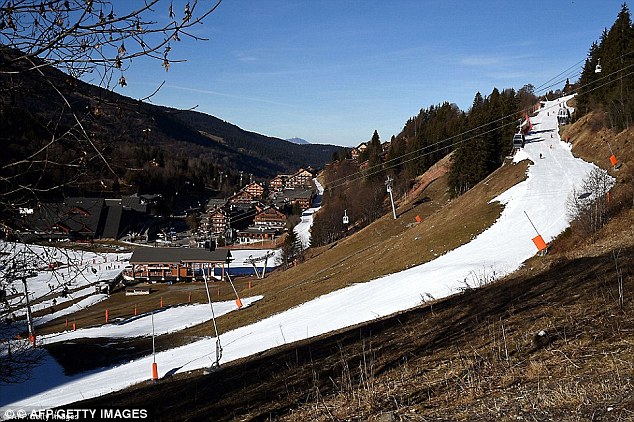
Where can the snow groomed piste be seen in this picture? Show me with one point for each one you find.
(499, 250)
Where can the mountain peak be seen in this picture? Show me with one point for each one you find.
(298, 141)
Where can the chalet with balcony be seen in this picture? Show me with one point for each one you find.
(289, 197)
(302, 179)
(218, 221)
(270, 218)
(242, 197)
(278, 183)
(257, 234)
(254, 189)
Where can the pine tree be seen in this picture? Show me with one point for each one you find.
(612, 90)
(292, 249)
(374, 157)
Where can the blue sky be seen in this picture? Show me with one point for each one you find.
(334, 71)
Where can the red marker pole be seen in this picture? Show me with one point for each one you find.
(537, 240)
(154, 365)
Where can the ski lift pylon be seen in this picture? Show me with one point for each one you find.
(346, 220)
(597, 69)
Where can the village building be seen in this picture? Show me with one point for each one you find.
(177, 264)
(218, 221)
(356, 152)
(302, 179)
(290, 197)
(242, 197)
(257, 234)
(278, 183)
(214, 203)
(270, 218)
(254, 189)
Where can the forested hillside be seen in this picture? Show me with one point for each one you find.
(105, 143)
(480, 138)
(607, 80)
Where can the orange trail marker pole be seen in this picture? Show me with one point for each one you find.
(539, 243)
(136, 312)
(74, 326)
(189, 299)
(613, 160)
(107, 315)
(238, 301)
(154, 365)
(530, 221)
(537, 240)
(66, 322)
(161, 301)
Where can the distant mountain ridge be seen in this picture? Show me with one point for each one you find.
(133, 145)
(298, 141)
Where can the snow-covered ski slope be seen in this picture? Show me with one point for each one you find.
(499, 250)
(303, 228)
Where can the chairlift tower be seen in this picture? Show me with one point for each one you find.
(264, 258)
(388, 184)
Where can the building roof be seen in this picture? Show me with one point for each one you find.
(258, 230)
(113, 222)
(216, 203)
(178, 255)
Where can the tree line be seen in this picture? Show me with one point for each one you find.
(479, 138)
(610, 90)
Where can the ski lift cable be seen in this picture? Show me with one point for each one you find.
(381, 167)
(543, 86)
(470, 130)
(576, 65)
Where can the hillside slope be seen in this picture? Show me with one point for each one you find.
(36, 108)
(474, 356)
(549, 342)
